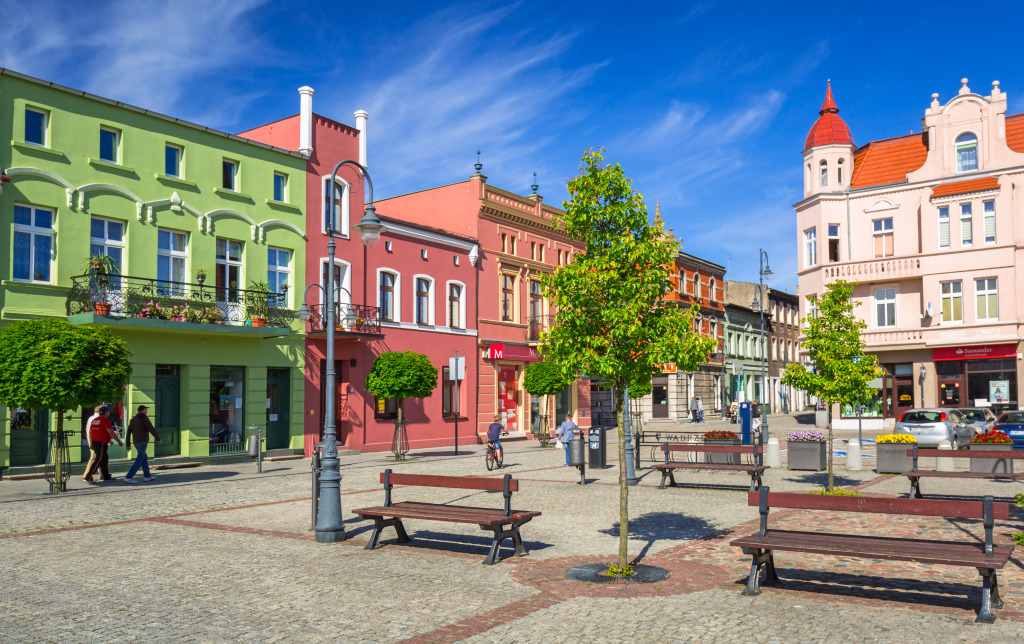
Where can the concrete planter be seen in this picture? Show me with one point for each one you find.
(806, 455)
(893, 459)
(991, 465)
(722, 459)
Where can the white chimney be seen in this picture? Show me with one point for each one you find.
(361, 117)
(306, 120)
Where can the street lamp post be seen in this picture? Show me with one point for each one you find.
(764, 273)
(329, 527)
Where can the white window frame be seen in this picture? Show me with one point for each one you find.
(882, 231)
(430, 299)
(966, 224)
(46, 127)
(887, 303)
(117, 144)
(812, 306)
(180, 165)
(982, 290)
(398, 294)
(283, 272)
(839, 172)
(943, 215)
(229, 291)
(461, 322)
(952, 296)
(956, 152)
(34, 231)
(173, 255)
(836, 237)
(236, 168)
(823, 173)
(284, 187)
(988, 208)
(107, 244)
(341, 228)
(811, 247)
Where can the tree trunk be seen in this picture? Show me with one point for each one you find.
(623, 489)
(831, 480)
(399, 456)
(58, 467)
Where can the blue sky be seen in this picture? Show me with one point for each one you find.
(705, 104)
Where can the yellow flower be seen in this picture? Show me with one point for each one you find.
(895, 438)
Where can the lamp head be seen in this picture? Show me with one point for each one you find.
(303, 312)
(370, 226)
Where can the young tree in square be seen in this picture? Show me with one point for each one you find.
(401, 375)
(543, 379)
(612, 319)
(841, 370)
(53, 364)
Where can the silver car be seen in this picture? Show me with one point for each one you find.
(982, 418)
(930, 426)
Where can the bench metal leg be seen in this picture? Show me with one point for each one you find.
(664, 476)
(755, 481)
(760, 558)
(379, 523)
(517, 541)
(915, 487)
(989, 596)
(493, 555)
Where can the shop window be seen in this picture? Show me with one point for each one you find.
(227, 408)
(385, 407)
(952, 301)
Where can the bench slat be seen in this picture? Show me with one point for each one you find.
(884, 505)
(458, 482)
(438, 513)
(963, 475)
(713, 449)
(953, 554)
(708, 466)
(966, 453)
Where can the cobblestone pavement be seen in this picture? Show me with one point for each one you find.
(202, 557)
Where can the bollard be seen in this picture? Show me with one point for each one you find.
(772, 455)
(944, 464)
(853, 460)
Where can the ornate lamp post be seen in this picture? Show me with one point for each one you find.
(764, 274)
(329, 528)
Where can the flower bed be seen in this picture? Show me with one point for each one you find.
(992, 440)
(894, 438)
(178, 313)
(721, 437)
(805, 450)
(891, 450)
(810, 436)
(993, 436)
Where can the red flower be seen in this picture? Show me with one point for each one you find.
(992, 436)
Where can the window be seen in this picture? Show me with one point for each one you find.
(229, 268)
(533, 250)
(172, 160)
(33, 244)
(504, 243)
(952, 301)
(171, 256)
(110, 144)
(987, 298)
(229, 180)
(696, 285)
(455, 307)
(449, 390)
(807, 178)
(36, 123)
(839, 173)
(508, 294)
(280, 187)
(989, 220)
(336, 210)
(106, 237)
(824, 174)
(558, 255)
(883, 237)
(279, 274)
(511, 245)
(944, 227)
(424, 287)
(885, 307)
(833, 242)
(385, 407)
(711, 288)
(966, 153)
(540, 252)
(966, 233)
(387, 296)
(811, 246)
(812, 306)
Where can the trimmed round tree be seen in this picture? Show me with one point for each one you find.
(56, 365)
(401, 375)
(545, 378)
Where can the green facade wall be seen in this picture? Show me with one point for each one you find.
(67, 177)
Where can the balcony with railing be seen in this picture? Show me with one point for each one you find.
(356, 320)
(878, 270)
(536, 325)
(127, 298)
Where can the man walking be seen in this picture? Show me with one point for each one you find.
(139, 430)
(566, 433)
(693, 409)
(101, 432)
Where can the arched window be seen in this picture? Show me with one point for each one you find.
(966, 152)
(711, 289)
(824, 173)
(696, 284)
(387, 296)
(807, 178)
(839, 173)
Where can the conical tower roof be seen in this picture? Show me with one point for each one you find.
(830, 127)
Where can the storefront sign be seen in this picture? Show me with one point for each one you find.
(668, 368)
(975, 352)
(999, 391)
(512, 352)
(496, 352)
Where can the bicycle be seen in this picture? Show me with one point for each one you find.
(491, 457)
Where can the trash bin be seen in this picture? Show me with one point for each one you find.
(745, 420)
(577, 452)
(597, 441)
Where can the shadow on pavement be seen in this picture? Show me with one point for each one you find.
(804, 419)
(821, 479)
(430, 540)
(655, 526)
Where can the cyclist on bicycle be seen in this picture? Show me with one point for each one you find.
(494, 431)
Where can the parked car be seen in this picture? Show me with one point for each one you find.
(1012, 422)
(982, 418)
(930, 426)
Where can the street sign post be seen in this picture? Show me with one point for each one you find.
(457, 372)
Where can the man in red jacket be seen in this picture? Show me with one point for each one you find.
(101, 432)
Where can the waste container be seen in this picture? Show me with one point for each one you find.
(597, 441)
(745, 420)
(577, 452)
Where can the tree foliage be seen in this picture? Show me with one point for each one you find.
(841, 370)
(612, 321)
(545, 378)
(401, 375)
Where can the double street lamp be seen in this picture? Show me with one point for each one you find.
(329, 528)
(764, 274)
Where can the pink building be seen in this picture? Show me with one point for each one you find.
(413, 291)
(927, 224)
(518, 244)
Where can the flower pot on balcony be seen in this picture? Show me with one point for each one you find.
(991, 465)
(257, 321)
(101, 308)
(892, 458)
(718, 458)
(806, 455)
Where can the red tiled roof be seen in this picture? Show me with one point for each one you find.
(1015, 132)
(888, 160)
(830, 127)
(963, 187)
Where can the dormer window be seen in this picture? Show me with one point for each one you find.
(967, 153)
(824, 173)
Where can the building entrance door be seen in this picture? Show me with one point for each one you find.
(342, 430)
(29, 435)
(659, 397)
(277, 409)
(508, 397)
(167, 415)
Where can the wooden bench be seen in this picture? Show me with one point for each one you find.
(504, 523)
(986, 556)
(916, 475)
(668, 467)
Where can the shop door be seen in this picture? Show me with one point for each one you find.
(508, 397)
(29, 430)
(659, 397)
(167, 413)
(278, 427)
(903, 395)
(342, 428)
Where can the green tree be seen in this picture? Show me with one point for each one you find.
(401, 375)
(612, 321)
(842, 371)
(56, 365)
(545, 378)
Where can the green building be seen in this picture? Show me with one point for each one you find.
(206, 231)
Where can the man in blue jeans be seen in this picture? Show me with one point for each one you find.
(567, 432)
(139, 430)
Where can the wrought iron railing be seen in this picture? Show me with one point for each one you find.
(536, 325)
(125, 296)
(351, 318)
